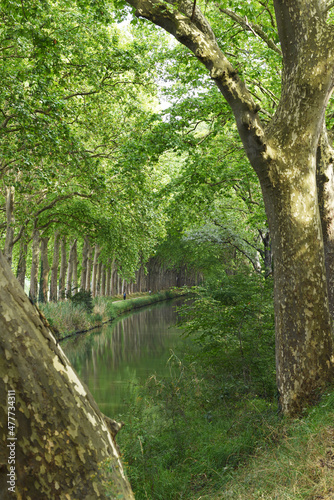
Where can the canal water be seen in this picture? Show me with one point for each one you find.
(112, 361)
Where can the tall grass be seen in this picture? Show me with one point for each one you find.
(66, 317)
(298, 465)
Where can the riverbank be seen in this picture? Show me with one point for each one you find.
(70, 319)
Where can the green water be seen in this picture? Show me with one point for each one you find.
(113, 360)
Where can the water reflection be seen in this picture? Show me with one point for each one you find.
(113, 360)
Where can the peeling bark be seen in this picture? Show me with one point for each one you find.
(64, 447)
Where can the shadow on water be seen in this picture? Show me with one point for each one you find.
(126, 352)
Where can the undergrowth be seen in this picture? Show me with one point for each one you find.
(82, 312)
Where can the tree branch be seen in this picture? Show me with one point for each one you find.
(254, 28)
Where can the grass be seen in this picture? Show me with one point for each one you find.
(296, 464)
(179, 445)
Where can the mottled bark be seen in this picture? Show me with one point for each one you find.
(34, 266)
(44, 271)
(59, 443)
(63, 267)
(54, 269)
(283, 154)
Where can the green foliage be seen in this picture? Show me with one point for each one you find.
(177, 444)
(83, 298)
(232, 322)
(187, 433)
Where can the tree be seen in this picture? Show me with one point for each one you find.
(283, 153)
(64, 446)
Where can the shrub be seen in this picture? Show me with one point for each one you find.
(85, 299)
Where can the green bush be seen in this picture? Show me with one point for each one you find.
(83, 298)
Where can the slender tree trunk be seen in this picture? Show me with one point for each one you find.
(89, 268)
(98, 279)
(22, 264)
(63, 266)
(95, 269)
(75, 267)
(54, 269)
(70, 268)
(84, 264)
(9, 242)
(61, 444)
(109, 278)
(45, 269)
(34, 266)
(103, 284)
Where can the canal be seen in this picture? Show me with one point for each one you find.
(123, 354)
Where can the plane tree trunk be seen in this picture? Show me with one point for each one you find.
(57, 444)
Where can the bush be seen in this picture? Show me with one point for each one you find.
(83, 298)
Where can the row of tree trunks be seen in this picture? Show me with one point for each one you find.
(60, 280)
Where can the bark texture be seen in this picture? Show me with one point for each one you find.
(64, 447)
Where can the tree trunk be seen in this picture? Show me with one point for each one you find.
(34, 266)
(45, 269)
(54, 269)
(95, 269)
(63, 266)
(302, 319)
(9, 242)
(89, 267)
(325, 184)
(22, 264)
(70, 268)
(103, 284)
(57, 444)
(75, 268)
(98, 279)
(84, 264)
(108, 278)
